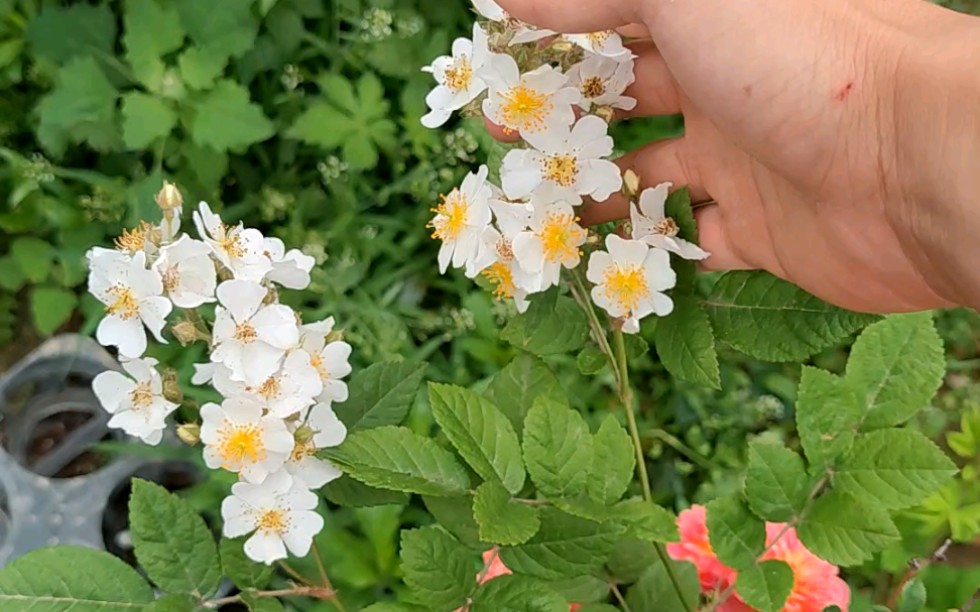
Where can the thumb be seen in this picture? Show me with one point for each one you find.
(580, 16)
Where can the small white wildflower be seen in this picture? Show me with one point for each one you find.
(188, 273)
(460, 220)
(458, 76)
(291, 268)
(132, 298)
(565, 163)
(328, 359)
(240, 250)
(136, 402)
(238, 437)
(652, 226)
(602, 82)
(630, 279)
(605, 43)
(536, 101)
(280, 511)
(553, 241)
(293, 388)
(325, 430)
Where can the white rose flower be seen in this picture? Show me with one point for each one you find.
(132, 298)
(327, 431)
(251, 338)
(329, 360)
(564, 164)
(240, 250)
(239, 438)
(458, 76)
(602, 82)
(188, 273)
(630, 279)
(280, 511)
(537, 101)
(293, 388)
(652, 225)
(523, 33)
(291, 268)
(460, 220)
(136, 402)
(605, 43)
(553, 241)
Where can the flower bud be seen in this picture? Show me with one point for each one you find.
(335, 336)
(631, 184)
(169, 198)
(185, 332)
(189, 433)
(606, 113)
(303, 434)
(561, 45)
(171, 388)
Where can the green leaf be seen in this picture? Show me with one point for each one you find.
(51, 307)
(33, 256)
(514, 388)
(226, 119)
(62, 34)
(564, 547)
(765, 586)
(360, 152)
(548, 328)
(557, 449)
(245, 573)
(145, 119)
(655, 591)
(678, 206)
(517, 594)
(152, 30)
(200, 67)
(897, 365)
(220, 26)
(612, 466)
(772, 320)
(686, 343)
(845, 531)
(736, 535)
(501, 519)
(11, 276)
(913, 598)
(382, 394)
(893, 468)
(172, 542)
(438, 569)
(630, 558)
(827, 413)
(480, 432)
(345, 491)
(775, 482)
(591, 360)
(581, 589)
(72, 578)
(648, 521)
(172, 603)
(338, 90)
(322, 125)
(81, 108)
(455, 514)
(398, 459)
(598, 607)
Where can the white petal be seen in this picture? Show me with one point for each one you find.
(330, 431)
(126, 334)
(113, 389)
(604, 178)
(662, 305)
(235, 514)
(276, 325)
(529, 252)
(242, 298)
(652, 201)
(265, 547)
(520, 173)
(153, 311)
(688, 250)
(599, 261)
(303, 526)
(258, 362)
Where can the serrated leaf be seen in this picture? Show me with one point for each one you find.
(222, 26)
(338, 90)
(398, 459)
(226, 119)
(686, 343)
(501, 519)
(81, 108)
(655, 591)
(893, 468)
(565, 546)
(844, 531)
(51, 307)
(897, 365)
(514, 388)
(200, 67)
(455, 514)
(480, 432)
(70, 577)
(582, 589)
(557, 449)
(613, 461)
(439, 570)
(359, 152)
(11, 276)
(152, 29)
(630, 558)
(737, 536)
(33, 256)
(172, 542)
(827, 413)
(765, 586)
(382, 394)
(598, 607)
(237, 567)
(172, 603)
(647, 521)
(548, 328)
(913, 597)
(772, 320)
(345, 491)
(775, 482)
(517, 594)
(145, 119)
(60, 34)
(591, 360)
(322, 125)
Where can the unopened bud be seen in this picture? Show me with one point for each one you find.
(169, 197)
(561, 45)
(606, 113)
(185, 332)
(303, 434)
(336, 335)
(171, 388)
(189, 433)
(631, 184)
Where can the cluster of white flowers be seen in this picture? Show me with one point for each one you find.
(520, 235)
(277, 376)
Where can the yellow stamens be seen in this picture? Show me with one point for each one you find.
(598, 38)
(302, 450)
(229, 242)
(171, 279)
(274, 520)
(240, 444)
(141, 396)
(451, 216)
(135, 239)
(593, 87)
(667, 227)
(626, 285)
(270, 388)
(317, 362)
(459, 76)
(124, 303)
(561, 237)
(245, 333)
(502, 279)
(525, 108)
(561, 169)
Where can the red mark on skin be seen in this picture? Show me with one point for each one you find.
(844, 91)
(747, 90)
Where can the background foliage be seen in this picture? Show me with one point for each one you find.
(300, 117)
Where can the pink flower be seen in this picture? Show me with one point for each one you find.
(816, 583)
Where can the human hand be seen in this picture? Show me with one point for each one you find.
(797, 124)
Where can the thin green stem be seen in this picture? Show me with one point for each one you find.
(581, 295)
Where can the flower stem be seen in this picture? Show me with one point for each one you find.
(325, 580)
(581, 295)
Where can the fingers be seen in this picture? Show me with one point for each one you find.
(584, 16)
(501, 133)
(634, 30)
(713, 239)
(654, 89)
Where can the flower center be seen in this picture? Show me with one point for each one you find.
(525, 108)
(598, 38)
(626, 285)
(561, 237)
(135, 239)
(229, 242)
(667, 226)
(459, 76)
(302, 450)
(317, 362)
(141, 396)
(593, 87)
(270, 388)
(123, 304)
(561, 169)
(451, 216)
(239, 444)
(505, 250)
(171, 279)
(502, 279)
(274, 520)
(245, 333)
